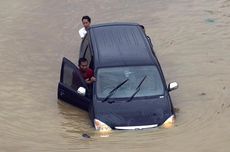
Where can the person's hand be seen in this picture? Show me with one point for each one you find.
(87, 81)
(90, 80)
(93, 79)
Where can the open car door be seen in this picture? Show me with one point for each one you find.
(72, 88)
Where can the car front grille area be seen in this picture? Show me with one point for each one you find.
(135, 127)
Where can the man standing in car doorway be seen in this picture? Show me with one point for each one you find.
(86, 21)
(86, 72)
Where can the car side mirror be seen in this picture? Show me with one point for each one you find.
(81, 91)
(173, 86)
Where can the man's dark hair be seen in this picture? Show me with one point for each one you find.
(82, 60)
(87, 18)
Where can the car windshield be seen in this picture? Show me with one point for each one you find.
(109, 78)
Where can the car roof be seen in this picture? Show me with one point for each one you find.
(120, 44)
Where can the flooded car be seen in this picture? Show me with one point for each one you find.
(130, 91)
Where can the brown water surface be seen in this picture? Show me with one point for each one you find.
(191, 40)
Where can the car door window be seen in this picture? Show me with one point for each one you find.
(71, 76)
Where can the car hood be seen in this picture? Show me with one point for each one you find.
(138, 112)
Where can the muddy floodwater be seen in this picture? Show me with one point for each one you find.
(191, 38)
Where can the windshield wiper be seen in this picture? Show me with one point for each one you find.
(113, 91)
(137, 89)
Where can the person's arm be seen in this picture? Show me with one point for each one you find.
(91, 77)
(82, 32)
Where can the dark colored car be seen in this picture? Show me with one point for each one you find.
(130, 91)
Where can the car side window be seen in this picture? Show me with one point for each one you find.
(88, 56)
(85, 51)
(84, 46)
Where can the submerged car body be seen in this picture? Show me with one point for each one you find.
(130, 91)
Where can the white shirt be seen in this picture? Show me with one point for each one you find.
(82, 32)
